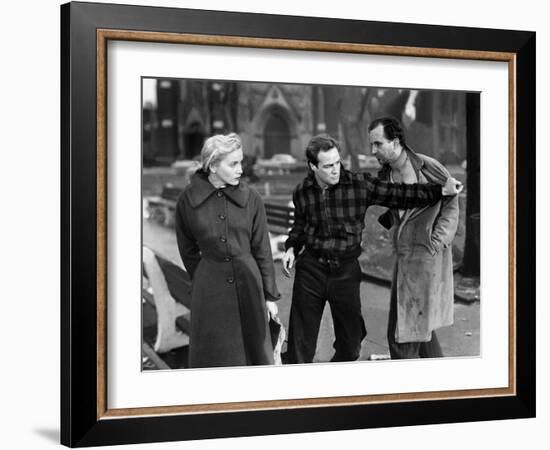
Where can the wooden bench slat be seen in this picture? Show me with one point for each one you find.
(279, 215)
(183, 322)
(277, 229)
(179, 283)
(156, 360)
(280, 218)
(275, 207)
(280, 223)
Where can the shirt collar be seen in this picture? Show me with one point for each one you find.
(201, 189)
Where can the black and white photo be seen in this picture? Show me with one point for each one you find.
(365, 270)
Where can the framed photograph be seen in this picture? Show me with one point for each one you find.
(142, 90)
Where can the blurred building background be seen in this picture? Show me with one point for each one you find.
(178, 115)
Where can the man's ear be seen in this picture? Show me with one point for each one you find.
(312, 166)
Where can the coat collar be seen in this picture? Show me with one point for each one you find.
(200, 189)
(421, 168)
(416, 161)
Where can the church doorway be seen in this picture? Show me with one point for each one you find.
(276, 136)
(193, 138)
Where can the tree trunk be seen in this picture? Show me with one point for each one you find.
(472, 243)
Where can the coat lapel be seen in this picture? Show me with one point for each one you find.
(201, 189)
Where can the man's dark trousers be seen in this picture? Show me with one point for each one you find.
(316, 281)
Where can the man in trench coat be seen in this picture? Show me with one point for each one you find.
(422, 291)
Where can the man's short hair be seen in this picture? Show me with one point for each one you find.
(320, 143)
(392, 128)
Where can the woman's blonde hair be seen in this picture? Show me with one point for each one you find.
(215, 148)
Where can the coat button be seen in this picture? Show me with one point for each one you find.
(219, 194)
(230, 280)
(222, 217)
(227, 258)
(223, 239)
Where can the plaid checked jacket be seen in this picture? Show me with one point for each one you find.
(330, 221)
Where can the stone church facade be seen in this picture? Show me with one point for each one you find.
(281, 118)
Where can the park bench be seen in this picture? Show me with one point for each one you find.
(162, 208)
(166, 293)
(280, 219)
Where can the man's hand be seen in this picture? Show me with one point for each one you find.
(272, 309)
(288, 261)
(452, 187)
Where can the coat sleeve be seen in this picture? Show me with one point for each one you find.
(261, 249)
(385, 219)
(400, 195)
(296, 235)
(187, 245)
(446, 224)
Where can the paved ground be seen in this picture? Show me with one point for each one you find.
(460, 339)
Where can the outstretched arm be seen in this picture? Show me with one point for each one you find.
(405, 196)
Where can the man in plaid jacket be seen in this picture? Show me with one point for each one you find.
(330, 206)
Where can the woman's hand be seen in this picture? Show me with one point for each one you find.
(272, 309)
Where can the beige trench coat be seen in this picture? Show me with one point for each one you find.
(422, 240)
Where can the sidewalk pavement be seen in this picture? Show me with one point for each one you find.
(460, 339)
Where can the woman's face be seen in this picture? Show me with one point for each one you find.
(229, 169)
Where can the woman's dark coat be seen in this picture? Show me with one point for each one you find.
(224, 244)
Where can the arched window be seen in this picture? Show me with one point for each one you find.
(193, 138)
(276, 136)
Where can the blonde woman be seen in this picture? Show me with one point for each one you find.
(224, 244)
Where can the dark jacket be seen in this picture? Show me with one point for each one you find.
(224, 244)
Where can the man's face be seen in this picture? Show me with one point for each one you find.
(327, 171)
(386, 151)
